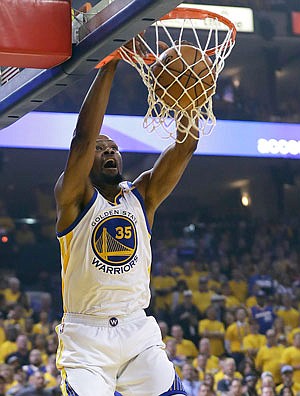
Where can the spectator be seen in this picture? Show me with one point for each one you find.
(202, 297)
(218, 301)
(250, 382)
(12, 293)
(287, 380)
(190, 381)
(286, 391)
(40, 343)
(164, 329)
(13, 362)
(16, 317)
(214, 276)
(262, 279)
(177, 360)
(188, 315)
(35, 363)
(212, 361)
(52, 344)
(43, 326)
(209, 381)
(20, 382)
(269, 356)
(235, 334)
(214, 330)
(28, 328)
(190, 276)
(7, 372)
(267, 379)
(238, 285)
(177, 295)
(163, 284)
(231, 302)
(203, 390)
(291, 356)
(184, 347)
(235, 387)
(267, 391)
(253, 341)
(224, 377)
(251, 301)
(37, 388)
(22, 352)
(288, 313)
(284, 285)
(247, 366)
(52, 375)
(290, 336)
(200, 366)
(9, 345)
(263, 312)
(229, 318)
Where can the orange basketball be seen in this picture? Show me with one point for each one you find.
(184, 78)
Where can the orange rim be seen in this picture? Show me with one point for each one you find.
(182, 13)
(193, 13)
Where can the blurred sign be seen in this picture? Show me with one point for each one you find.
(233, 138)
(296, 22)
(242, 17)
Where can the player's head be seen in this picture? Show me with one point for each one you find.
(107, 166)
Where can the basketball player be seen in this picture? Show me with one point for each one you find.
(107, 343)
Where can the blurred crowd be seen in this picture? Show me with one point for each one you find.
(226, 295)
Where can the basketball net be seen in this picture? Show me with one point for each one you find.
(215, 41)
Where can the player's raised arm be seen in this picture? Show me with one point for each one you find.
(74, 189)
(156, 184)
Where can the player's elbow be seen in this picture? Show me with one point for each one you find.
(188, 147)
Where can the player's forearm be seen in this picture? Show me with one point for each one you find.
(187, 133)
(93, 109)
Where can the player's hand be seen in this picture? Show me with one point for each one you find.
(164, 46)
(137, 46)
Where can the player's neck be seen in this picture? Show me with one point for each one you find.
(109, 191)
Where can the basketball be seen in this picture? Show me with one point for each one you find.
(183, 77)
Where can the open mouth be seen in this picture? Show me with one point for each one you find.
(110, 164)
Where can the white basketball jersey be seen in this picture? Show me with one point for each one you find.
(106, 257)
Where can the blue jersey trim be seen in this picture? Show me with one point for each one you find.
(70, 391)
(141, 200)
(82, 214)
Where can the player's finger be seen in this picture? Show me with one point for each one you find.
(162, 45)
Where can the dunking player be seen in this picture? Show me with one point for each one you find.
(107, 342)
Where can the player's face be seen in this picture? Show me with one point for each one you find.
(107, 165)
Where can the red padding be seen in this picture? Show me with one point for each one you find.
(296, 22)
(35, 33)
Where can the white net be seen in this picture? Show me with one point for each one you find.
(180, 70)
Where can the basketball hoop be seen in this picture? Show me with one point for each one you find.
(213, 37)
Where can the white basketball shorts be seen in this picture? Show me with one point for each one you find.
(126, 354)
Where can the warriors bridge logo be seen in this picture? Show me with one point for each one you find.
(114, 243)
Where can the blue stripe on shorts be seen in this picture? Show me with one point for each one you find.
(176, 388)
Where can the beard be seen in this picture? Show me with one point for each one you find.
(115, 179)
(106, 179)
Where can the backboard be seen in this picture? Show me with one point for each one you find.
(105, 27)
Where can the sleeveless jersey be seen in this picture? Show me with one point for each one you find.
(106, 257)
